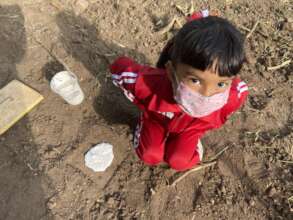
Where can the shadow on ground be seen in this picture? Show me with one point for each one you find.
(81, 40)
(21, 193)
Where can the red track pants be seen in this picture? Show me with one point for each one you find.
(153, 145)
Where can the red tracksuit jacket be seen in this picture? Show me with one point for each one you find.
(150, 89)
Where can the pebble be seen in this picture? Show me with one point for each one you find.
(51, 204)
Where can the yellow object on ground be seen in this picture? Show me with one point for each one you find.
(16, 99)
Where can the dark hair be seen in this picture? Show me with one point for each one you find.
(210, 42)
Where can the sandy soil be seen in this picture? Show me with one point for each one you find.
(43, 175)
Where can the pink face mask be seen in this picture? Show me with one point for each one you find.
(197, 105)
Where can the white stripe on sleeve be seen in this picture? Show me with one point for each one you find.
(241, 84)
(243, 89)
(124, 80)
(129, 81)
(124, 74)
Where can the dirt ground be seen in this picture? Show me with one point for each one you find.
(42, 171)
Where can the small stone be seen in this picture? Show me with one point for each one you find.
(51, 204)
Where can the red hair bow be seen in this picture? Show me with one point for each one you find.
(202, 14)
(198, 15)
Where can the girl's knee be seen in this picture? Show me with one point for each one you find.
(182, 164)
(149, 156)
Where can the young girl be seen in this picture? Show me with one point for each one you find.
(194, 88)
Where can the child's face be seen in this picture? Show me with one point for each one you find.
(207, 83)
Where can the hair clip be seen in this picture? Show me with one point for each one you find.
(198, 15)
(202, 14)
